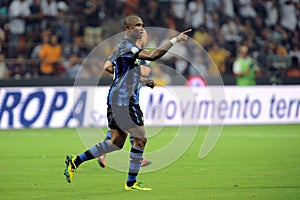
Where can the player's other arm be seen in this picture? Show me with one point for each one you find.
(147, 82)
(145, 72)
(109, 68)
(155, 54)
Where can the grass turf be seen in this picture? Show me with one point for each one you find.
(248, 162)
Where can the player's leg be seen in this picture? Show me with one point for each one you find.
(107, 146)
(136, 158)
(130, 119)
(73, 162)
(145, 162)
(101, 159)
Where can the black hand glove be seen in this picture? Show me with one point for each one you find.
(150, 83)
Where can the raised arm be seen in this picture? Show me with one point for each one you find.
(155, 54)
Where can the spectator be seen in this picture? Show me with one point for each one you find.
(159, 76)
(260, 9)
(35, 18)
(272, 9)
(196, 13)
(212, 20)
(278, 34)
(230, 33)
(77, 47)
(281, 50)
(228, 6)
(50, 55)
(246, 31)
(3, 11)
(212, 5)
(217, 36)
(53, 18)
(246, 10)
(2, 38)
(19, 69)
(218, 57)
(244, 68)
(93, 29)
(18, 13)
(45, 35)
(78, 23)
(294, 53)
(34, 55)
(113, 9)
(3, 67)
(198, 66)
(72, 66)
(130, 7)
(203, 37)
(288, 15)
(50, 11)
(155, 11)
(257, 25)
(178, 11)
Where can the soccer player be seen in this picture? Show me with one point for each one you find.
(123, 112)
(145, 71)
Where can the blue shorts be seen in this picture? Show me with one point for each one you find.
(124, 117)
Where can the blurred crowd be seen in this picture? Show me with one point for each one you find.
(52, 37)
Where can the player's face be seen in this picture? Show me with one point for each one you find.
(137, 29)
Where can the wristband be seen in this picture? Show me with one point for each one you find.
(173, 40)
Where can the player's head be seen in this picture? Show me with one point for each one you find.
(133, 27)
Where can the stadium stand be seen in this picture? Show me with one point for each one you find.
(261, 25)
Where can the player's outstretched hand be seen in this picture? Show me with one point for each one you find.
(182, 36)
(150, 83)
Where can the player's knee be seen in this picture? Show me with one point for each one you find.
(118, 144)
(121, 146)
(141, 142)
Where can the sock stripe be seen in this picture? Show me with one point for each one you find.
(136, 150)
(132, 174)
(136, 158)
(88, 154)
(108, 135)
(104, 146)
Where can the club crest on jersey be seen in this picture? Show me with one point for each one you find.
(134, 50)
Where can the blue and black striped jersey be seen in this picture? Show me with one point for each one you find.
(125, 88)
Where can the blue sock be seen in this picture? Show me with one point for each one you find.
(96, 151)
(131, 140)
(108, 135)
(136, 157)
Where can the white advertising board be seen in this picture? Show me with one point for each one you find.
(42, 107)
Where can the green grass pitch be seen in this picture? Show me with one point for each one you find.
(248, 162)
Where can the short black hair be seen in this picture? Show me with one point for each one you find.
(129, 20)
